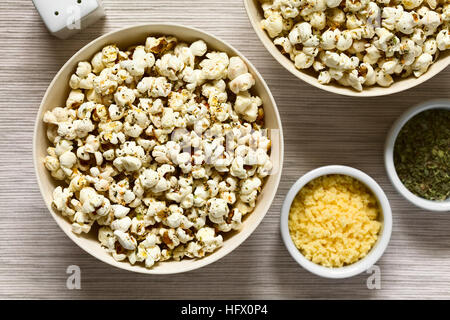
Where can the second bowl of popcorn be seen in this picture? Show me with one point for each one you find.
(356, 48)
(336, 221)
(158, 148)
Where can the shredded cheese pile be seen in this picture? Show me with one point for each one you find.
(333, 220)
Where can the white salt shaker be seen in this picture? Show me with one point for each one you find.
(64, 18)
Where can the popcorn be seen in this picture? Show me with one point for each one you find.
(198, 48)
(411, 4)
(124, 96)
(109, 55)
(355, 6)
(318, 20)
(368, 74)
(303, 61)
(75, 99)
(430, 46)
(284, 45)
(169, 237)
(236, 68)
(153, 254)
(217, 210)
(443, 40)
(155, 87)
(383, 79)
(344, 40)
(51, 163)
(206, 237)
(79, 228)
(329, 39)
(273, 24)
(194, 77)
(122, 224)
(215, 66)
(160, 45)
(127, 163)
(140, 62)
(97, 63)
(106, 237)
(420, 66)
(336, 38)
(126, 241)
(148, 178)
(120, 193)
(67, 159)
(61, 201)
(83, 78)
(152, 148)
(169, 65)
(324, 77)
(431, 21)
(407, 22)
(242, 82)
(120, 211)
(90, 200)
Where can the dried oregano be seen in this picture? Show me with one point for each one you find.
(422, 154)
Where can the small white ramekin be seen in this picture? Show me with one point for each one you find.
(375, 253)
(389, 156)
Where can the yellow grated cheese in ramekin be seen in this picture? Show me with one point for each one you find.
(333, 220)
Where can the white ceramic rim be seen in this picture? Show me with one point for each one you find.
(337, 89)
(125, 265)
(389, 156)
(374, 254)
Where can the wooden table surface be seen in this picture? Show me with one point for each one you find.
(320, 128)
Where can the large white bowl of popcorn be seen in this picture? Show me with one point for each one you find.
(158, 148)
(356, 47)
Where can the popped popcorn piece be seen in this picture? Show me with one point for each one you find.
(124, 96)
(155, 87)
(242, 82)
(443, 40)
(82, 78)
(247, 106)
(217, 210)
(120, 211)
(383, 79)
(207, 238)
(303, 60)
(273, 24)
(90, 199)
(127, 241)
(236, 68)
(215, 66)
(160, 45)
(109, 55)
(198, 48)
(106, 237)
(420, 66)
(140, 62)
(75, 99)
(169, 65)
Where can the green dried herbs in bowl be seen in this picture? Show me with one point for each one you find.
(422, 154)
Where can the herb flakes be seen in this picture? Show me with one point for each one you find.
(422, 154)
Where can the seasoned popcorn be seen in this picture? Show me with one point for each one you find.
(162, 146)
(359, 43)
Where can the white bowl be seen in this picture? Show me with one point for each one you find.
(56, 95)
(255, 15)
(377, 250)
(389, 156)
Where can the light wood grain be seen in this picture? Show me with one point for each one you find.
(320, 128)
